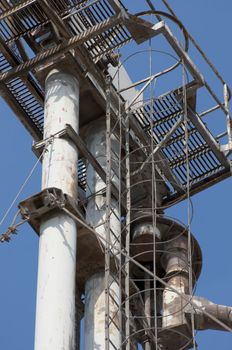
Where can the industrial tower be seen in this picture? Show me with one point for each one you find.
(116, 152)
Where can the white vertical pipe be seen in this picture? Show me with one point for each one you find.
(55, 309)
(96, 215)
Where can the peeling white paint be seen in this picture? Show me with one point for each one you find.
(55, 310)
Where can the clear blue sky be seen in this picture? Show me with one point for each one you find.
(210, 22)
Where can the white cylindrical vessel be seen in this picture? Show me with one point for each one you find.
(55, 309)
(95, 298)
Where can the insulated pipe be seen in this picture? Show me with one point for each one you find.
(55, 309)
(95, 298)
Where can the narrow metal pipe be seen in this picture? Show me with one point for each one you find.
(55, 309)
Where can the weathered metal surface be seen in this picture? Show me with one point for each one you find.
(69, 133)
(97, 302)
(142, 241)
(55, 309)
(171, 245)
(177, 272)
(53, 201)
(221, 313)
(46, 202)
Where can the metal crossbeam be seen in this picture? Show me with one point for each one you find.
(208, 138)
(138, 131)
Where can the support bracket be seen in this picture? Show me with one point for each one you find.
(90, 248)
(50, 200)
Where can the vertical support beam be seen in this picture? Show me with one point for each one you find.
(128, 223)
(55, 309)
(108, 202)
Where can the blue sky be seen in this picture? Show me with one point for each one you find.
(210, 22)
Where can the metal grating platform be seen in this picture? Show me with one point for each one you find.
(204, 163)
(88, 17)
(26, 16)
(29, 17)
(46, 31)
(27, 101)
